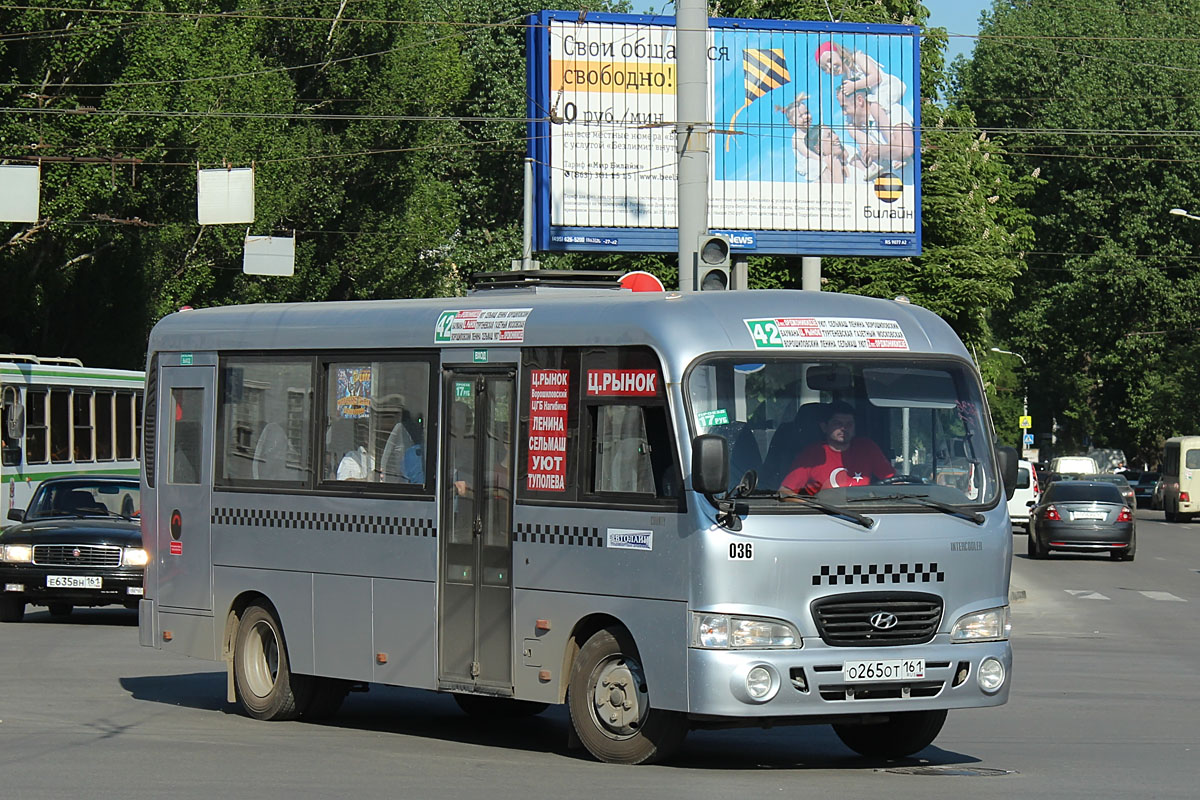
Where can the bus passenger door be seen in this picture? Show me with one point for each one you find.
(184, 476)
(475, 536)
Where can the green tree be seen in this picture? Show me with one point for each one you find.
(1100, 98)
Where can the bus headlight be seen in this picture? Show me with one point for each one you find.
(726, 632)
(992, 625)
(17, 553)
(135, 557)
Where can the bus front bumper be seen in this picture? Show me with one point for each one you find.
(813, 681)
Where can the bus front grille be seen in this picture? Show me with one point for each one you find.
(877, 619)
(76, 555)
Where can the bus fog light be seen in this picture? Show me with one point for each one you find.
(758, 682)
(991, 674)
(754, 682)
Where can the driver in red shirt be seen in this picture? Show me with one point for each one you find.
(839, 460)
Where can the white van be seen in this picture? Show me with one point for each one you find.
(1074, 465)
(1181, 478)
(1025, 497)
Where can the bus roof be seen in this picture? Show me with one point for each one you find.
(679, 326)
(24, 369)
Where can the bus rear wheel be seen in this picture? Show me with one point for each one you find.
(902, 735)
(266, 687)
(609, 704)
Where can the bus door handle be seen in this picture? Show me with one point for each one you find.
(477, 526)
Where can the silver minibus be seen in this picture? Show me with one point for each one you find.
(554, 490)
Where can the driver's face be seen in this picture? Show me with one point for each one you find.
(839, 430)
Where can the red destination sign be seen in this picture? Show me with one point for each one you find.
(622, 382)
(547, 467)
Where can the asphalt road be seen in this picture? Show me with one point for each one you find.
(1104, 705)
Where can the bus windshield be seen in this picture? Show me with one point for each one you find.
(864, 433)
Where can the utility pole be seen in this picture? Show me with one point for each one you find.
(810, 273)
(691, 133)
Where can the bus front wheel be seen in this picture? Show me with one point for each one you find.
(609, 704)
(266, 687)
(902, 735)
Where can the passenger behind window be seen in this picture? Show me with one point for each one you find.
(350, 438)
(404, 454)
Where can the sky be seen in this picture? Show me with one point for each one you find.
(956, 16)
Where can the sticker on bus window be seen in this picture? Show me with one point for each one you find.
(462, 389)
(622, 382)
(826, 333)
(546, 470)
(710, 419)
(481, 325)
(354, 392)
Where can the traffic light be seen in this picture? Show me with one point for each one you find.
(712, 263)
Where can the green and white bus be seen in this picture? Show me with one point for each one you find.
(60, 417)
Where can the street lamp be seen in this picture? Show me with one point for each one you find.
(1179, 212)
(1025, 396)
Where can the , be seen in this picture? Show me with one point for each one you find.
(78, 544)
(596, 519)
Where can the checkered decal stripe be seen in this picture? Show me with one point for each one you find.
(573, 535)
(321, 521)
(848, 575)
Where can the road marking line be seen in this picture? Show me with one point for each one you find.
(1085, 594)
(1167, 596)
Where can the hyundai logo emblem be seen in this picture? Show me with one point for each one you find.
(883, 620)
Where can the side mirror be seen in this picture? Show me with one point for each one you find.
(710, 464)
(1007, 456)
(15, 418)
(16, 514)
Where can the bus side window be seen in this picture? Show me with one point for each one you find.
(632, 452)
(185, 435)
(60, 425)
(36, 438)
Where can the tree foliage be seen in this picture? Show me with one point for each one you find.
(1101, 99)
(388, 137)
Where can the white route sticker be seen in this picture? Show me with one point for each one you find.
(826, 333)
(477, 326)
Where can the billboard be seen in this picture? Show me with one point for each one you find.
(815, 150)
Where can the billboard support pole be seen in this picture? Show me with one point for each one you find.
(691, 133)
(526, 260)
(810, 273)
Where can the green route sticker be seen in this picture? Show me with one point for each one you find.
(765, 333)
(462, 388)
(709, 419)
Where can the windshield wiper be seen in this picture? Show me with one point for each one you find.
(828, 508)
(924, 500)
